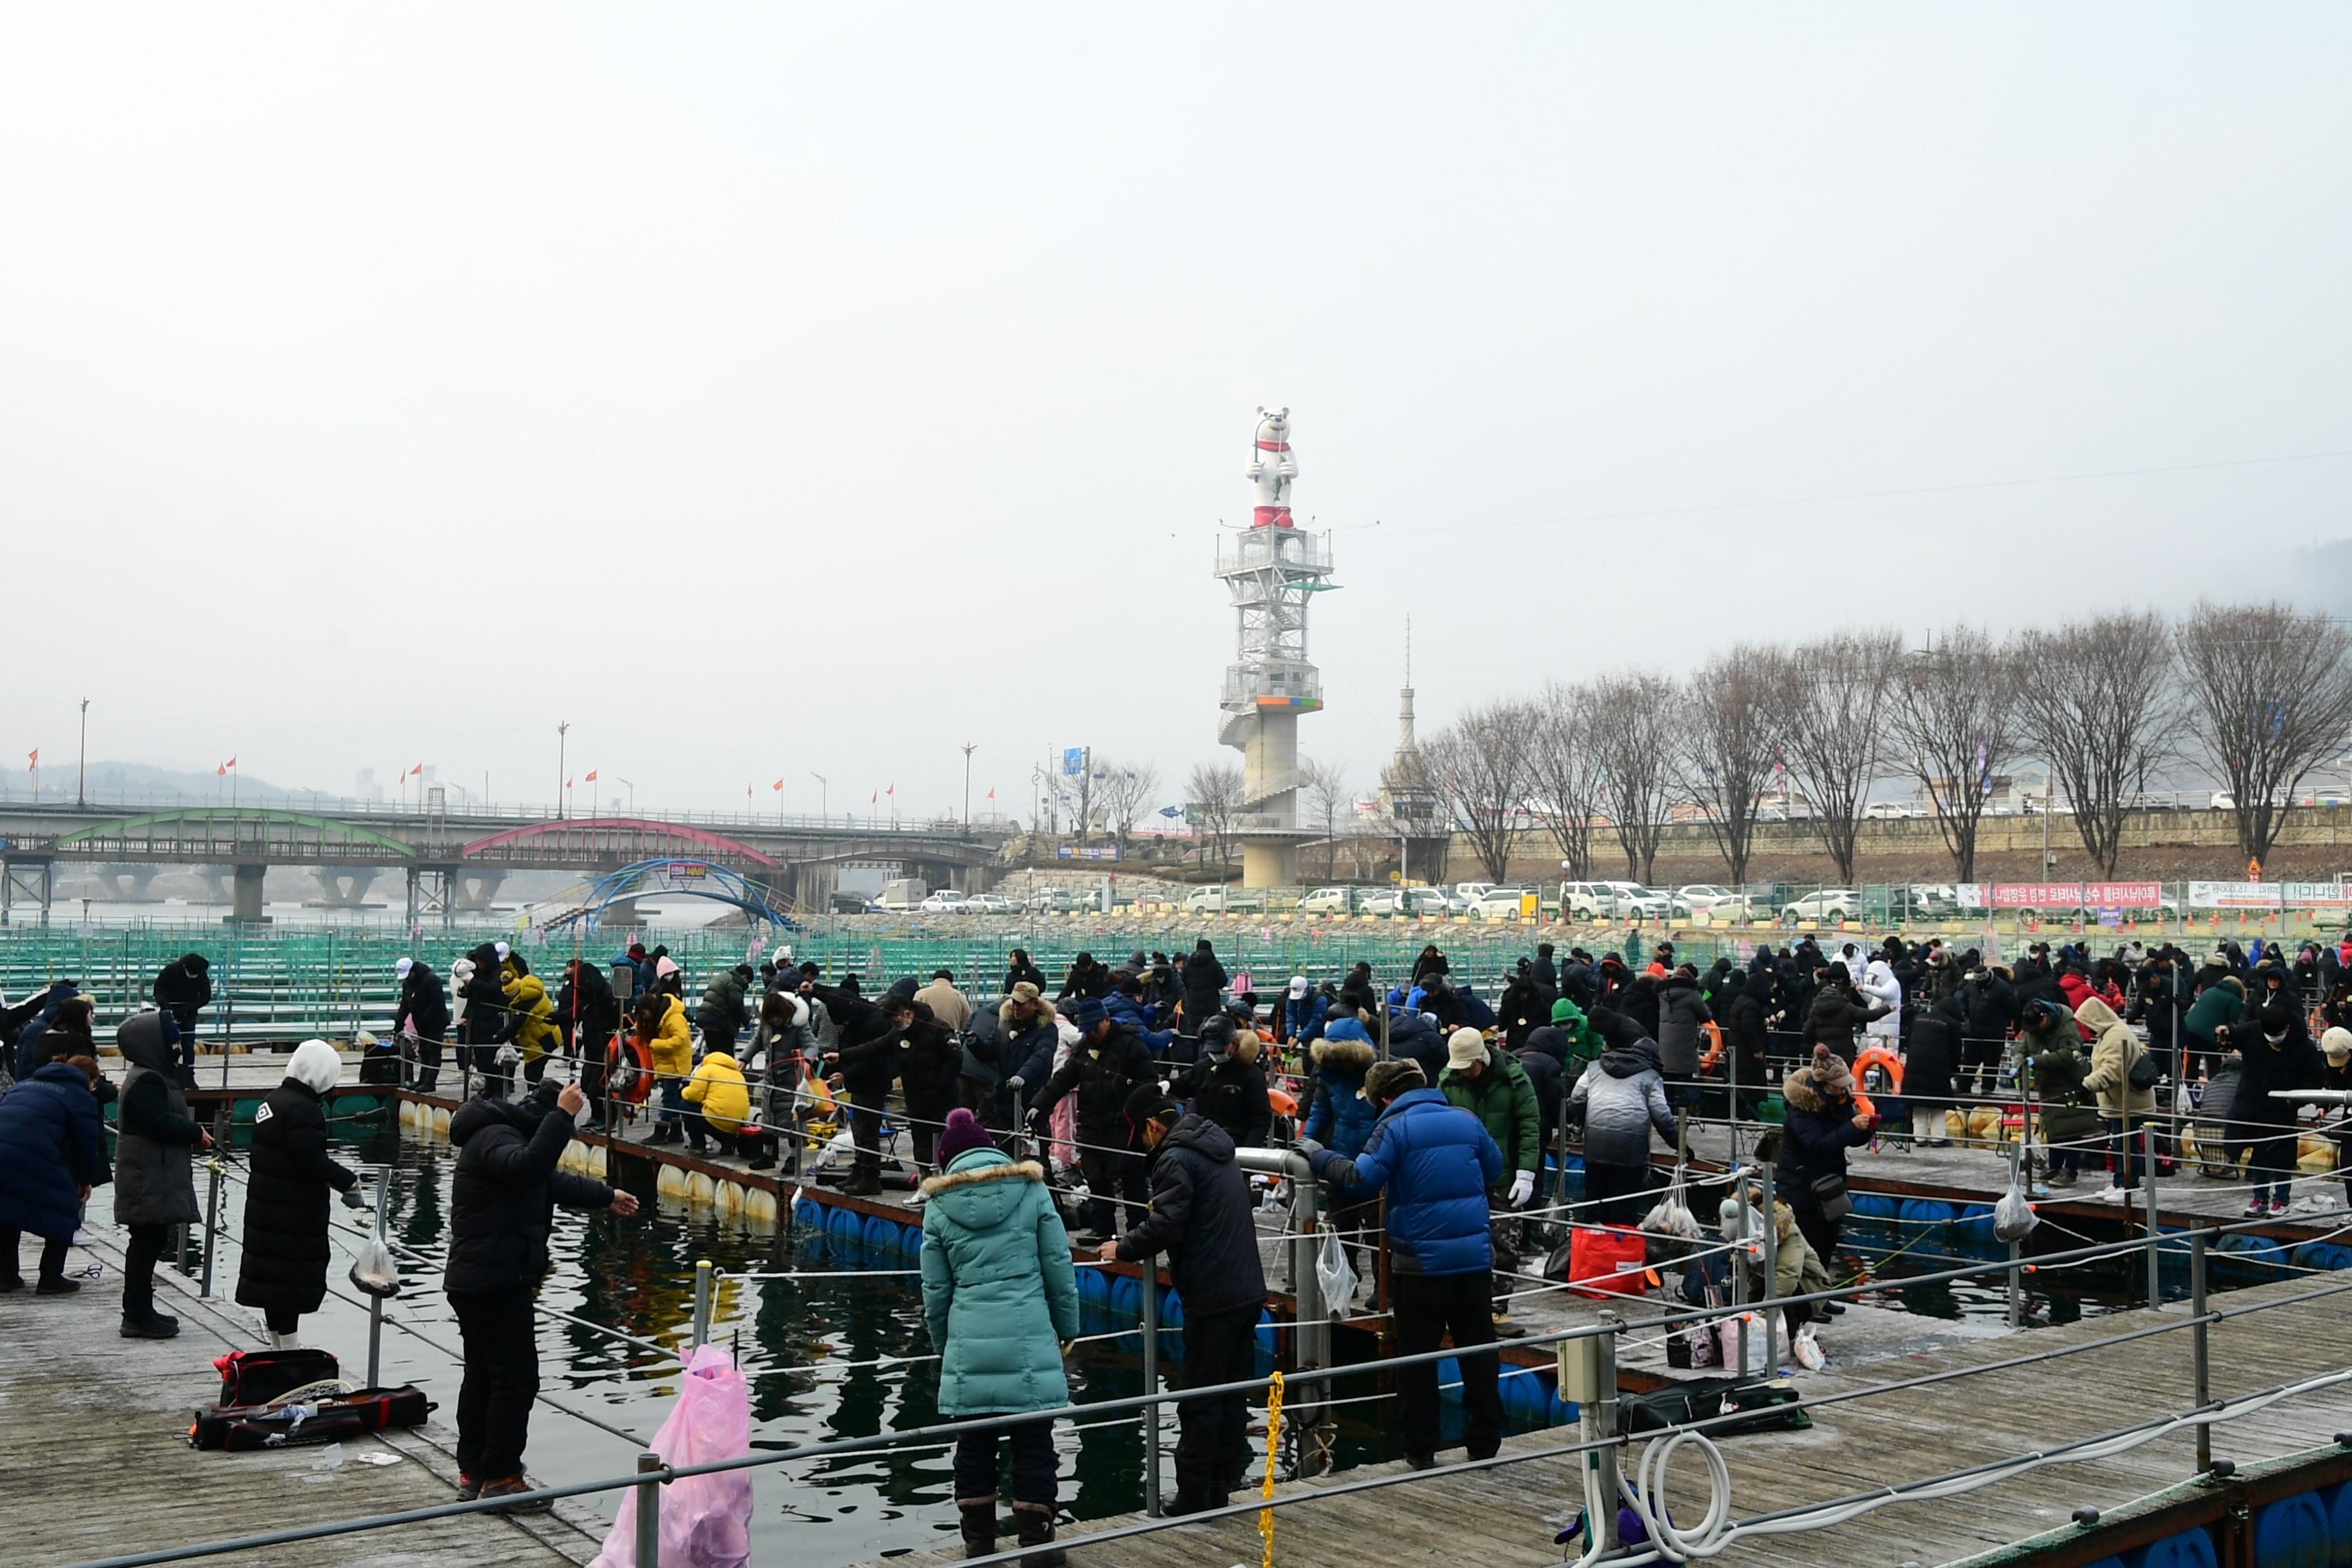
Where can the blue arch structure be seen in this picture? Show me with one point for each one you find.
(689, 878)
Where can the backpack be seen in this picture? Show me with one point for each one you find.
(327, 1418)
(2143, 1073)
(257, 1377)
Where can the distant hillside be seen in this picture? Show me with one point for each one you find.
(141, 781)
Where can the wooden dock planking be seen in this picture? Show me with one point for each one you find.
(94, 1460)
(1499, 1517)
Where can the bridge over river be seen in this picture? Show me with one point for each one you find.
(450, 862)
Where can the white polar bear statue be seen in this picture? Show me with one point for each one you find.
(1272, 469)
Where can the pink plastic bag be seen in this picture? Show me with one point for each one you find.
(706, 1521)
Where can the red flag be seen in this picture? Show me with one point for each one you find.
(33, 760)
(220, 770)
(778, 785)
(230, 763)
(414, 771)
(567, 783)
(992, 794)
(877, 798)
(892, 790)
(591, 775)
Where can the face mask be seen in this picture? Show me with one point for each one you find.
(2275, 1040)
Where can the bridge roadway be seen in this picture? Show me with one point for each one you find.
(451, 862)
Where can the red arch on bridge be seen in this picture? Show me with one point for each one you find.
(643, 831)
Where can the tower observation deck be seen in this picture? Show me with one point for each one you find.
(1273, 569)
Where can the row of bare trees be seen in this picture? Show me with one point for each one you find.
(2258, 696)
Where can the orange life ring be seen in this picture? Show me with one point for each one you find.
(1878, 1056)
(628, 1070)
(1861, 1103)
(1285, 1103)
(1713, 1059)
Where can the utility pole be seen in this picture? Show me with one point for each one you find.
(824, 796)
(562, 738)
(633, 795)
(968, 748)
(81, 768)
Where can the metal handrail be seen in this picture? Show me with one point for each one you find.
(2196, 1322)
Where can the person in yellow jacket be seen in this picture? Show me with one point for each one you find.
(528, 1004)
(724, 1100)
(661, 1024)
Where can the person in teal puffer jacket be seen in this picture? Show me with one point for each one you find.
(1000, 1298)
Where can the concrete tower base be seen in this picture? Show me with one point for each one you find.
(1269, 863)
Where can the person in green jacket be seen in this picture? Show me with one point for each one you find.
(1584, 1046)
(2220, 1003)
(2069, 1118)
(1001, 1300)
(1492, 1086)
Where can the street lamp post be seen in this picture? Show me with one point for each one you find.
(823, 795)
(81, 768)
(968, 748)
(633, 795)
(562, 784)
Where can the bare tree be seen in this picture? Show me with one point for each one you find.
(1564, 771)
(1834, 729)
(1329, 803)
(2096, 704)
(1122, 795)
(2272, 698)
(1633, 726)
(1479, 765)
(1215, 792)
(1955, 720)
(1729, 744)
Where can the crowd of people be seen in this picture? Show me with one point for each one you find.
(1129, 1091)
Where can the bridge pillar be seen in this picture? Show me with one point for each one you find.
(812, 885)
(215, 879)
(471, 890)
(621, 914)
(245, 897)
(342, 887)
(428, 896)
(125, 884)
(32, 883)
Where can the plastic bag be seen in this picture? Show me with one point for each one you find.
(1337, 1274)
(372, 1269)
(2013, 1218)
(706, 1521)
(1807, 1348)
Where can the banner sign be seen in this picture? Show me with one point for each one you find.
(2076, 895)
(2235, 895)
(1085, 851)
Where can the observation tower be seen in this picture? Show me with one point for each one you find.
(1274, 571)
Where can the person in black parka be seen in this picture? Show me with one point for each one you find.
(154, 1164)
(184, 989)
(1205, 986)
(502, 1200)
(423, 1011)
(283, 1270)
(1228, 1084)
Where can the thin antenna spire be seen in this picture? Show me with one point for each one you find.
(1407, 650)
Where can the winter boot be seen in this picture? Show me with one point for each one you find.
(979, 1525)
(153, 1326)
(1037, 1523)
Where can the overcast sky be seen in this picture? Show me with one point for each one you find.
(776, 390)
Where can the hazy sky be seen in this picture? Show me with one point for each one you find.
(770, 390)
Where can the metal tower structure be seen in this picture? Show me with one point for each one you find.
(1273, 570)
(1408, 799)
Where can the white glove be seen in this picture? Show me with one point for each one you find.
(1523, 1188)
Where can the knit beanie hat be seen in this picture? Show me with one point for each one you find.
(1830, 1072)
(962, 1134)
(1087, 1014)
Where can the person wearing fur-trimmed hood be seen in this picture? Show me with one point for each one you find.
(999, 1298)
(283, 1269)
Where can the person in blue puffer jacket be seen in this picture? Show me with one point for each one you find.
(1302, 1014)
(1126, 1006)
(1437, 1162)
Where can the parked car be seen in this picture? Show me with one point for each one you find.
(946, 902)
(1055, 901)
(843, 903)
(1422, 901)
(1714, 901)
(1471, 892)
(1824, 905)
(992, 904)
(1223, 900)
(1613, 901)
(1328, 901)
(1497, 904)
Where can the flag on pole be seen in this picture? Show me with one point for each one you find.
(567, 783)
(412, 773)
(778, 785)
(591, 775)
(33, 760)
(877, 798)
(992, 794)
(228, 764)
(220, 770)
(892, 790)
